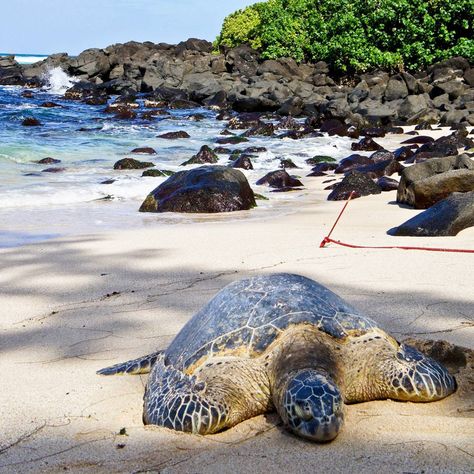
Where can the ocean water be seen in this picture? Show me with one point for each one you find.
(36, 205)
(26, 58)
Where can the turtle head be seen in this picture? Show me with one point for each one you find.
(418, 378)
(311, 405)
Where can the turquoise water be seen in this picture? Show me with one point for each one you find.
(35, 205)
(26, 58)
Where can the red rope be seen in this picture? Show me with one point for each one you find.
(328, 240)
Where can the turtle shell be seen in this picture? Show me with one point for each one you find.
(246, 316)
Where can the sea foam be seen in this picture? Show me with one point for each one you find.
(57, 81)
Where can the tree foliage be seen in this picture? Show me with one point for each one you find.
(356, 35)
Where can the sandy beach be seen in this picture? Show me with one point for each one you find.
(74, 305)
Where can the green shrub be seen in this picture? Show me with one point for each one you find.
(356, 35)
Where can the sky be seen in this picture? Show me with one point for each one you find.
(53, 26)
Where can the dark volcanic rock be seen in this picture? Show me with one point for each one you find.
(381, 168)
(231, 140)
(204, 155)
(352, 162)
(49, 105)
(366, 144)
(320, 159)
(356, 183)
(279, 179)
(203, 189)
(156, 173)
(31, 122)
(145, 150)
(48, 161)
(131, 164)
(387, 184)
(53, 170)
(286, 163)
(447, 217)
(243, 162)
(264, 129)
(174, 135)
(424, 184)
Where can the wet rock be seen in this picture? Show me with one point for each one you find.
(174, 135)
(231, 140)
(403, 153)
(145, 150)
(131, 164)
(204, 189)
(108, 181)
(262, 129)
(31, 122)
(356, 183)
(48, 161)
(243, 162)
(243, 121)
(279, 179)
(352, 162)
(204, 155)
(424, 184)
(320, 159)
(49, 105)
(53, 170)
(287, 163)
(445, 218)
(255, 149)
(420, 140)
(366, 144)
(157, 173)
(381, 168)
(373, 132)
(382, 155)
(387, 184)
(220, 150)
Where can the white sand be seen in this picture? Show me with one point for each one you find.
(61, 320)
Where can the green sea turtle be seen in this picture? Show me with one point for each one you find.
(279, 342)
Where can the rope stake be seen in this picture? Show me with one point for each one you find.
(328, 240)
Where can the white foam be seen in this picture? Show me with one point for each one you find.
(57, 81)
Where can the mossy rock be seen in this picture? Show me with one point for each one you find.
(157, 173)
(320, 159)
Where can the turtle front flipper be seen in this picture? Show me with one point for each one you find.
(219, 396)
(141, 365)
(310, 404)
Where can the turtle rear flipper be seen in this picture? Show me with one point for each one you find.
(141, 365)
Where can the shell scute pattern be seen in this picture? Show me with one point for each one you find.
(248, 315)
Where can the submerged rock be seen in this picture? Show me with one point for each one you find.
(204, 189)
(174, 135)
(145, 150)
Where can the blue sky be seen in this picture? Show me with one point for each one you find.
(51, 26)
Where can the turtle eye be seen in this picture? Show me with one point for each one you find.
(200, 386)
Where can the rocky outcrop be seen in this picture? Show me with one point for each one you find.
(204, 155)
(204, 189)
(239, 78)
(424, 184)
(132, 164)
(447, 217)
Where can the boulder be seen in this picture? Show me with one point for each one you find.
(31, 122)
(352, 162)
(445, 218)
(131, 164)
(387, 184)
(424, 184)
(204, 155)
(381, 168)
(144, 150)
(174, 135)
(366, 144)
(203, 189)
(243, 161)
(356, 183)
(48, 161)
(279, 179)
